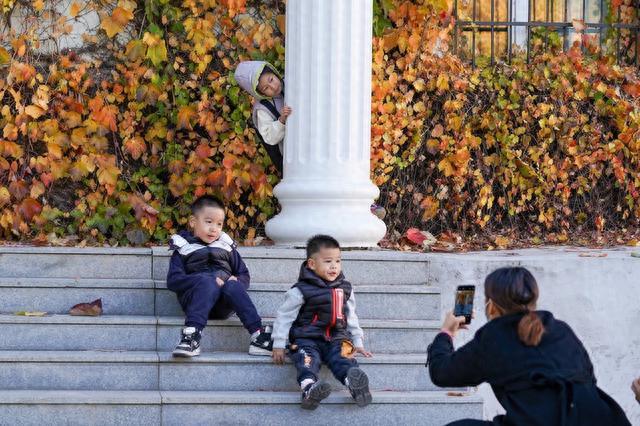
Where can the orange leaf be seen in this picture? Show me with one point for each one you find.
(632, 89)
(203, 151)
(136, 147)
(116, 22)
(185, 115)
(74, 9)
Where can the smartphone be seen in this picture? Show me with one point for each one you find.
(464, 302)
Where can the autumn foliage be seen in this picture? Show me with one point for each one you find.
(109, 143)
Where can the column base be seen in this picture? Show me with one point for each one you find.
(328, 210)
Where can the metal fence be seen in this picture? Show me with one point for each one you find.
(491, 30)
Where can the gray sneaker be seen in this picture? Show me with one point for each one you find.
(189, 345)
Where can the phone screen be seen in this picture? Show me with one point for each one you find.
(464, 302)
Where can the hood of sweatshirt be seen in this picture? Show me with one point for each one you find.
(248, 73)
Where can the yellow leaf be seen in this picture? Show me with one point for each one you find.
(37, 189)
(443, 82)
(5, 196)
(5, 56)
(34, 111)
(156, 50)
(38, 5)
(135, 50)
(31, 314)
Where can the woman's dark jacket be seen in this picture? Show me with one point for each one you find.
(549, 384)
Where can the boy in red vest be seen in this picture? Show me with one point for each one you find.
(319, 317)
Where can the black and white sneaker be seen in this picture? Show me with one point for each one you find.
(189, 345)
(261, 343)
(313, 393)
(358, 384)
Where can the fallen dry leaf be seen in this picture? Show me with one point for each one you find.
(92, 309)
(592, 255)
(31, 314)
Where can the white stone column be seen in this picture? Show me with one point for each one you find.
(326, 186)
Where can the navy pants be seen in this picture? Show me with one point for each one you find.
(312, 353)
(204, 299)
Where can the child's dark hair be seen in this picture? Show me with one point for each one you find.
(515, 290)
(205, 201)
(319, 242)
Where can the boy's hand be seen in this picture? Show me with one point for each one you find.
(232, 277)
(364, 352)
(219, 281)
(286, 112)
(278, 356)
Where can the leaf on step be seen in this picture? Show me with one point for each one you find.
(31, 314)
(592, 255)
(635, 254)
(457, 393)
(92, 309)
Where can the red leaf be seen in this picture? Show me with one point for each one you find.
(416, 236)
(29, 208)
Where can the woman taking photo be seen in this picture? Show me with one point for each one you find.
(535, 364)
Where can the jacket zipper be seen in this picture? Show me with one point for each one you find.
(327, 333)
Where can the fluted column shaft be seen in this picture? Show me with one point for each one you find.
(326, 186)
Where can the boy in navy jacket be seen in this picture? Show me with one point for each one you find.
(319, 318)
(211, 280)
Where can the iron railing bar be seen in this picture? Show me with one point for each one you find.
(529, 31)
(548, 24)
(473, 37)
(510, 28)
(493, 19)
(618, 42)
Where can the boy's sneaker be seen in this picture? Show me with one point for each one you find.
(261, 343)
(313, 393)
(358, 384)
(189, 343)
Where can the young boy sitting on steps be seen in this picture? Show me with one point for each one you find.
(211, 280)
(319, 317)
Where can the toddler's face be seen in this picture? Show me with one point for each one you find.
(207, 224)
(326, 264)
(269, 85)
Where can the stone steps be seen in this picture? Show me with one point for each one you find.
(35, 407)
(117, 369)
(213, 371)
(144, 333)
(126, 296)
(266, 264)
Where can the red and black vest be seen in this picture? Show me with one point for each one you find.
(324, 312)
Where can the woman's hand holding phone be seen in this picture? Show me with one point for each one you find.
(452, 324)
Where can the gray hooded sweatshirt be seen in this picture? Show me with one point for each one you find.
(271, 129)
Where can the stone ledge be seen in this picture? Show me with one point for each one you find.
(337, 397)
(80, 283)
(71, 397)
